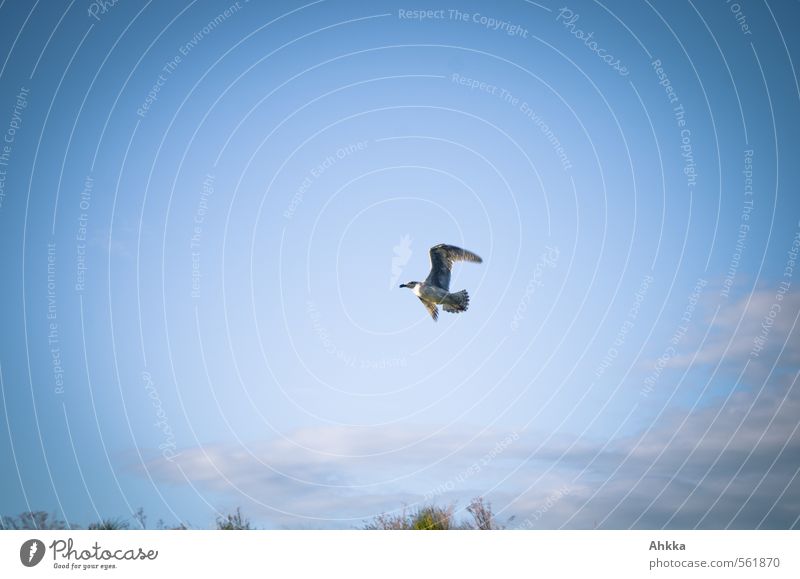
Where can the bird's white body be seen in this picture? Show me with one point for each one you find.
(430, 293)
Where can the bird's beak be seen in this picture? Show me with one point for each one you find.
(403, 285)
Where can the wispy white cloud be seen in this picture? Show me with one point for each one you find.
(724, 465)
(733, 463)
(760, 327)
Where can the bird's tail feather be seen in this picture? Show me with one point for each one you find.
(456, 302)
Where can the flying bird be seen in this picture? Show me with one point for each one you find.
(435, 289)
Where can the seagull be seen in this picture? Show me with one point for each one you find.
(436, 287)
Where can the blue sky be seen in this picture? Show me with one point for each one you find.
(207, 208)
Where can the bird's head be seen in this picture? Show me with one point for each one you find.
(410, 285)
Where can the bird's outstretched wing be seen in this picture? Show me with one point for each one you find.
(432, 310)
(442, 258)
